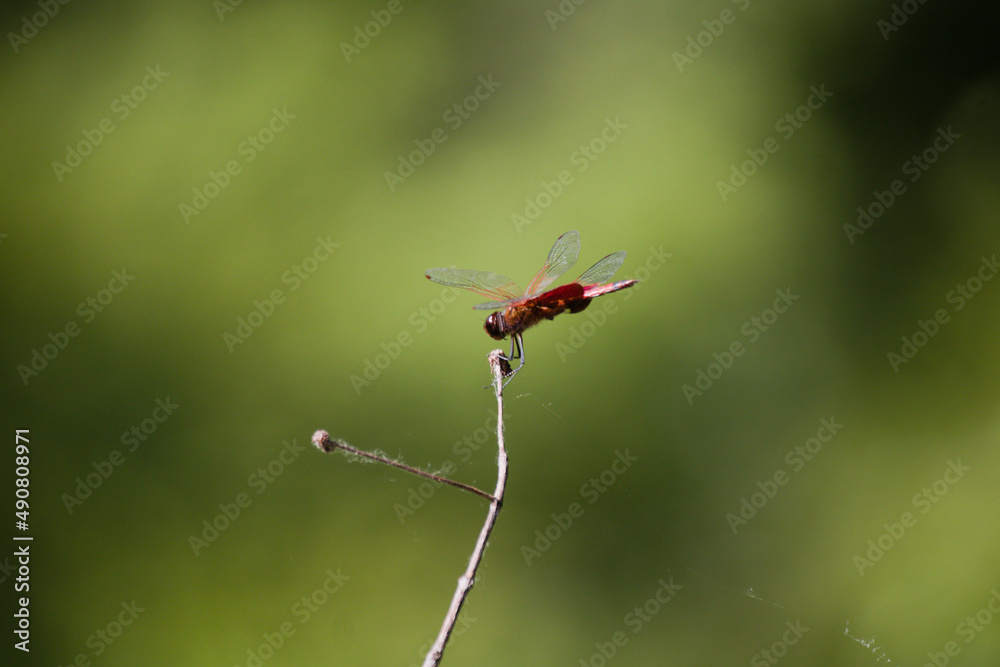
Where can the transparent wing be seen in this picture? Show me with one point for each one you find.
(561, 259)
(603, 270)
(486, 284)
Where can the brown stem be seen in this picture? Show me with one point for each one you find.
(468, 578)
(326, 444)
(323, 441)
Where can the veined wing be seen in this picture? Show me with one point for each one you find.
(561, 259)
(484, 283)
(603, 270)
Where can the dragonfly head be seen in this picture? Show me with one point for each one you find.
(495, 326)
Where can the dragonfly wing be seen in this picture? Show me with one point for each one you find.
(561, 259)
(493, 285)
(603, 270)
(494, 305)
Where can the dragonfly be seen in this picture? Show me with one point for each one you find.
(516, 311)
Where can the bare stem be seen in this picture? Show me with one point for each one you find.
(501, 369)
(468, 578)
(323, 441)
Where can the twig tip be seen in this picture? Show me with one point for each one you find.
(498, 363)
(323, 442)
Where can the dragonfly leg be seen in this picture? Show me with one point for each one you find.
(515, 344)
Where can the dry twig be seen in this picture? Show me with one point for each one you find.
(323, 442)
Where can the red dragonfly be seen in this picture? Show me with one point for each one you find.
(516, 313)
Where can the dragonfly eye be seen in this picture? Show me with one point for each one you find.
(494, 326)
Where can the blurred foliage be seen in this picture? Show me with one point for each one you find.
(233, 158)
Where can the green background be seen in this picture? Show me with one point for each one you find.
(653, 191)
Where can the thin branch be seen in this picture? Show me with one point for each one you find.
(501, 369)
(468, 578)
(324, 443)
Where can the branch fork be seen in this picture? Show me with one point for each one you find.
(500, 368)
